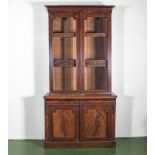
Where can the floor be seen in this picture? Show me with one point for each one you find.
(124, 146)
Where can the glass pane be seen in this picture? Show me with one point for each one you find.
(64, 48)
(96, 24)
(95, 78)
(65, 24)
(95, 48)
(64, 78)
(95, 38)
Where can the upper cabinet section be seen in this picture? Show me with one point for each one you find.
(80, 49)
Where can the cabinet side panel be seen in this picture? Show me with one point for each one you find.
(111, 126)
(46, 126)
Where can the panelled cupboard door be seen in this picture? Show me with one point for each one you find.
(62, 123)
(96, 122)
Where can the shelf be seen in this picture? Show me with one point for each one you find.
(64, 63)
(66, 34)
(96, 34)
(95, 63)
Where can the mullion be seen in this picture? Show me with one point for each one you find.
(82, 35)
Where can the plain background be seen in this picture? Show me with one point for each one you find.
(28, 66)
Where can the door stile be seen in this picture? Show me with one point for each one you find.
(82, 64)
(78, 73)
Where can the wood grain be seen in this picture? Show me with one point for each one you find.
(63, 124)
(80, 107)
(95, 123)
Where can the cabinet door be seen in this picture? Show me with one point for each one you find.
(62, 122)
(64, 41)
(97, 122)
(97, 59)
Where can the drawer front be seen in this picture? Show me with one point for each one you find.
(97, 122)
(62, 122)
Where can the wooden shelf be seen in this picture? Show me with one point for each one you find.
(95, 63)
(64, 63)
(66, 34)
(96, 34)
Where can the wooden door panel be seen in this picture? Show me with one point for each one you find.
(63, 122)
(95, 122)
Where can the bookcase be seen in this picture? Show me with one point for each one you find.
(79, 107)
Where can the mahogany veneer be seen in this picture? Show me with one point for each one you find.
(80, 107)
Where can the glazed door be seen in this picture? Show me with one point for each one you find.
(64, 47)
(63, 122)
(96, 122)
(96, 51)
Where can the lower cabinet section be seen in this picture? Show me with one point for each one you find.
(79, 124)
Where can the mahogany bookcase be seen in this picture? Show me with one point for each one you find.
(80, 107)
